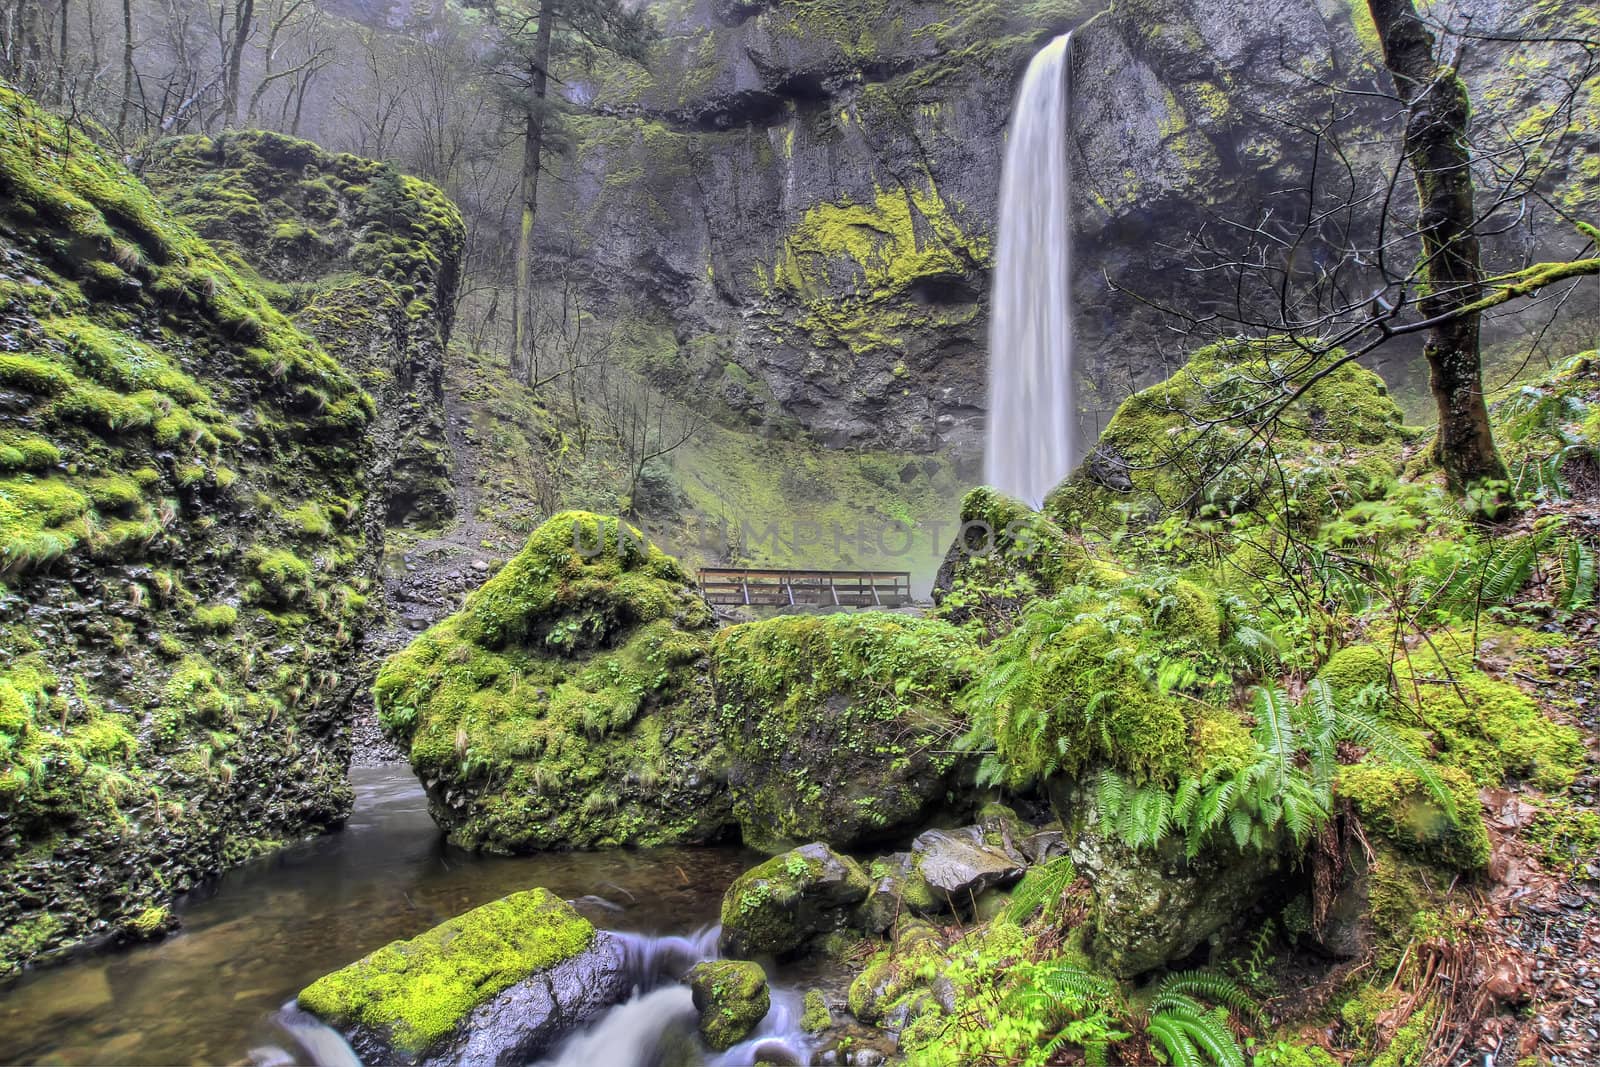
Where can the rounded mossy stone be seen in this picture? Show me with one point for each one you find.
(815, 1016)
(1356, 667)
(567, 704)
(1395, 802)
(413, 994)
(732, 999)
(835, 724)
(1185, 445)
(780, 905)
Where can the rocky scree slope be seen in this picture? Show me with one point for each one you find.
(191, 514)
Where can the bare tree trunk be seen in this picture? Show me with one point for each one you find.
(532, 150)
(127, 68)
(243, 16)
(1436, 146)
(61, 57)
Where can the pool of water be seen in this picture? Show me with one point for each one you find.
(262, 932)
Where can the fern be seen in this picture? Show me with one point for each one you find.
(1208, 986)
(1205, 1033)
(1041, 887)
(1175, 1042)
(1578, 575)
(1507, 571)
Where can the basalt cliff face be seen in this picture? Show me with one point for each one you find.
(193, 496)
(796, 203)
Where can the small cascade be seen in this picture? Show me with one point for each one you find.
(640, 1033)
(1032, 394)
(657, 1024)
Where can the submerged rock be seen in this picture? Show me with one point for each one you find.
(731, 997)
(499, 984)
(833, 724)
(567, 704)
(790, 899)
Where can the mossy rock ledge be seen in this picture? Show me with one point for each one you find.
(498, 984)
(567, 705)
(837, 726)
(1188, 443)
(192, 492)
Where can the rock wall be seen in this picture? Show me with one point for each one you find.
(192, 491)
(805, 192)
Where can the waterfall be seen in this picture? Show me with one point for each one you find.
(1032, 398)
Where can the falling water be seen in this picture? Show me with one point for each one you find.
(1031, 393)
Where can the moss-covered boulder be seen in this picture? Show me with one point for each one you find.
(776, 908)
(497, 984)
(896, 970)
(1198, 444)
(731, 997)
(837, 726)
(1004, 555)
(1150, 906)
(567, 703)
(191, 501)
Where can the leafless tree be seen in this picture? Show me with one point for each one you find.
(1348, 263)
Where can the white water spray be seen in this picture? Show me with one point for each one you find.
(1032, 397)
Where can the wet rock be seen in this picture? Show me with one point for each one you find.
(498, 984)
(962, 864)
(821, 748)
(1151, 906)
(731, 997)
(779, 906)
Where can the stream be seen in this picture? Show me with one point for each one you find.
(213, 992)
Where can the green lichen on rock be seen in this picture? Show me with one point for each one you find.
(167, 421)
(1004, 555)
(836, 725)
(784, 903)
(1199, 443)
(414, 993)
(1395, 803)
(731, 997)
(566, 704)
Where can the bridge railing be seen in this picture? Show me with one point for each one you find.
(761, 587)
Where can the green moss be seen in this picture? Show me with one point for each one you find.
(416, 992)
(39, 521)
(1487, 727)
(283, 577)
(815, 1017)
(1395, 803)
(1566, 835)
(216, 618)
(732, 997)
(1352, 669)
(565, 705)
(834, 723)
(27, 452)
(1079, 683)
(1191, 444)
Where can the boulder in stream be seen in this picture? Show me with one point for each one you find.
(779, 906)
(497, 985)
(731, 997)
(837, 726)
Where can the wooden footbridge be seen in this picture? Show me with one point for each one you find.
(797, 589)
